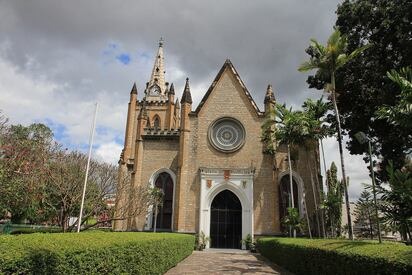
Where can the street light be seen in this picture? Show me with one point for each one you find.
(362, 139)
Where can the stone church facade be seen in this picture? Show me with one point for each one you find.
(210, 161)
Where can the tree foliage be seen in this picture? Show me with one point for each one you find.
(396, 200)
(326, 60)
(365, 221)
(40, 182)
(400, 114)
(363, 84)
(333, 202)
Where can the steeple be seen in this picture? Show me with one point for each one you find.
(157, 84)
(186, 97)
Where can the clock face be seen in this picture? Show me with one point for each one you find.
(155, 90)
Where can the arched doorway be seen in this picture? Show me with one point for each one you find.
(284, 191)
(164, 217)
(226, 221)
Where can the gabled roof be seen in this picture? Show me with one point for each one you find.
(228, 65)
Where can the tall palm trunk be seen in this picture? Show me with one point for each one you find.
(314, 191)
(291, 202)
(320, 193)
(324, 163)
(306, 213)
(345, 186)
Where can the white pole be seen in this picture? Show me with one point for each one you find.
(79, 223)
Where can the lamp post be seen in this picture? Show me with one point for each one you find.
(362, 139)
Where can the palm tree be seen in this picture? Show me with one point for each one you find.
(291, 129)
(327, 60)
(317, 130)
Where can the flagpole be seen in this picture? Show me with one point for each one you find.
(79, 223)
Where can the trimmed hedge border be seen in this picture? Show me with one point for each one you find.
(93, 253)
(304, 256)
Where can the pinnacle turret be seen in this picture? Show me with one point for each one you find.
(269, 94)
(186, 97)
(172, 89)
(134, 89)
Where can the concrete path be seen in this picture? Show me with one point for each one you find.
(225, 261)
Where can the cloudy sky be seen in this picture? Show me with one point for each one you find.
(57, 58)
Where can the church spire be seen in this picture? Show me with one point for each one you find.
(157, 77)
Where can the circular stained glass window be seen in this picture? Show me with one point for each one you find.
(227, 134)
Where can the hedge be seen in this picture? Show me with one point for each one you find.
(93, 253)
(304, 256)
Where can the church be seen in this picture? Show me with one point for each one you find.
(210, 161)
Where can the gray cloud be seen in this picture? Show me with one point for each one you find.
(56, 59)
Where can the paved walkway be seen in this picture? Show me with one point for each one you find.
(225, 261)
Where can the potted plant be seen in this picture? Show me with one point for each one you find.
(249, 243)
(201, 241)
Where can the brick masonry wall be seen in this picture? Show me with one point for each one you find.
(228, 99)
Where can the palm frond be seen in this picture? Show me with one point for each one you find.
(307, 66)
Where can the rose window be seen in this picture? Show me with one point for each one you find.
(227, 134)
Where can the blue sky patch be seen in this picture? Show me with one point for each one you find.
(124, 58)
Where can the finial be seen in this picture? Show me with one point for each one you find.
(161, 42)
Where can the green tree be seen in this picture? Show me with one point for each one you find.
(293, 220)
(291, 129)
(24, 165)
(318, 129)
(365, 220)
(333, 201)
(396, 200)
(363, 83)
(156, 200)
(327, 60)
(400, 114)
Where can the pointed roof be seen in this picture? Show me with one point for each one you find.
(186, 97)
(134, 89)
(158, 72)
(228, 65)
(172, 89)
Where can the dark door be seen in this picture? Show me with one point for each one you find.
(164, 216)
(226, 221)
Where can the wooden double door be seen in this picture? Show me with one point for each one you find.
(226, 221)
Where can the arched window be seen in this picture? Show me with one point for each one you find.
(156, 122)
(284, 196)
(164, 216)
